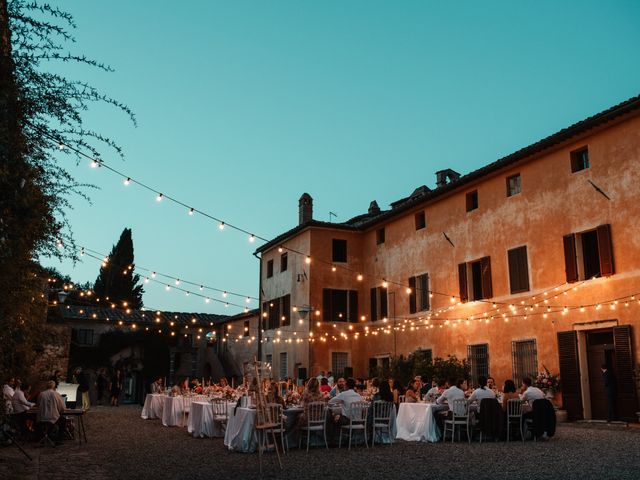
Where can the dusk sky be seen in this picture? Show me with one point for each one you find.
(243, 106)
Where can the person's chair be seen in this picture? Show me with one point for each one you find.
(514, 417)
(280, 429)
(459, 409)
(220, 411)
(490, 419)
(381, 420)
(186, 408)
(357, 422)
(316, 416)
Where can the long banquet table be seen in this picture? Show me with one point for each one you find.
(201, 424)
(153, 405)
(416, 423)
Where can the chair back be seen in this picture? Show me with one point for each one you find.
(186, 403)
(382, 411)
(401, 398)
(514, 407)
(276, 413)
(459, 407)
(219, 407)
(316, 413)
(358, 411)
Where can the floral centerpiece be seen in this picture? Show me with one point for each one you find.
(292, 398)
(546, 381)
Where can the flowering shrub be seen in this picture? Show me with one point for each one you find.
(546, 380)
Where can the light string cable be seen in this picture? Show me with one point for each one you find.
(175, 279)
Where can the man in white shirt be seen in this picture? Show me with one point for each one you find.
(454, 392)
(481, 392)
(530, 394)
(7, 394)
(19, 401)
(345, 399)
(320, 376)
(330, 378)
(157, 387)
(50, 404)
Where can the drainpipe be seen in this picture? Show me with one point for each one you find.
(255, 254)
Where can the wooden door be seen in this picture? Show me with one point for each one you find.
(570, 374)
(599, 351)
(626, 386)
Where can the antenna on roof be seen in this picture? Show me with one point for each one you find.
(332, 214)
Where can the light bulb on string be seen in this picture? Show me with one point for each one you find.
(159, 197)
(224, 294)
(248, 300)
(127, 181)
(94, 163)
(61, 146)
(177, 281)
(153, 274)
(252, 238)
(191, 211)
(201, 288)
(221, 226)
(167, 288)
(308, 260)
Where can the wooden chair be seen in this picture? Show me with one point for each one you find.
(278, 418)
(357, 422)
(459, 418)
(381, 421)
(316, 414)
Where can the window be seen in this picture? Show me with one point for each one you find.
(478, 358)
(269, 358)
(475, 280)
(588, 254)
(419, 296)
(339, 250)
(472, 200)
(340, 305)
(514, 185)
(284, 262)
(84, 336)
(525, 359)
(379, 303)
(278, 313)
(284, 366)
(380, 236)
(269, 268)
(246, 328)
(518, 269)
(420, 220)
(579, 160)
(339, 362)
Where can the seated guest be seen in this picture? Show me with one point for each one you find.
(324, 386)
(21, 405)
(434, 392)
(345, 399)
(312, 392)
(454, 392)
(223, 383)
(509, 392)
(184, 386)
(530, 394)
(157, 386)
(412, 394)
(361, 385)
(396, 389)
(8, 389)
(273, 394)
(491, 383)
(50, 405)
(384, 393)
(481, 392)
(339, 387)
(330, 378)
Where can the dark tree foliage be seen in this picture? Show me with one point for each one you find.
(116, 281)
(39, 111)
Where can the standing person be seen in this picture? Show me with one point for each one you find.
(101, 384)
(56, 377)
(82, 379)
(116, 387)
(610, 388)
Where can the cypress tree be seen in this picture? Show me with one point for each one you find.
(117, 280)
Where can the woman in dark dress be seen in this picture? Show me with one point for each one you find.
(116, 387)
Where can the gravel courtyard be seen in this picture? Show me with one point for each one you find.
(122, 445)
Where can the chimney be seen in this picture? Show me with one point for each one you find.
(444, 177)
(305, 209)
(374, 209)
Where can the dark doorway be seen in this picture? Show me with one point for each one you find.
(600, 350)
(590, 254)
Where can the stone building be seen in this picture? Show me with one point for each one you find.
(531, 261)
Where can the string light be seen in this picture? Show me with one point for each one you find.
(159, 197)
(127, 181)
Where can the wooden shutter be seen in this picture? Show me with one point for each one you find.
(462, 278)
(570, 374)
(487, 288)
(518, 270)
(626, 388)
(423, 282)
(605, 249)
(353, 306)
(570, 259)
(384, 311)
(374, 304)
(327, 315)
(412, 295)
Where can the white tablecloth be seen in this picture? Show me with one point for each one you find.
(153, 405)
(416, 423)
(175, 407)
(240, 435)
(201, 424)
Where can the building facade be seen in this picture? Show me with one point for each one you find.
(530, 262)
